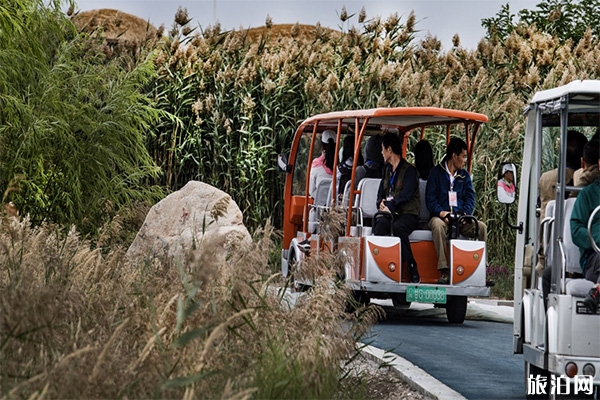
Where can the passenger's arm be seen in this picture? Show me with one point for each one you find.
(579, 220)
(468, 205)
(380, 193)
(312, 187)
(409, 187)
(432, 193)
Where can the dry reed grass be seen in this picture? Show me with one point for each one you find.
(77, 323)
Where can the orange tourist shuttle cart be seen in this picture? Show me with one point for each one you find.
(373, 267)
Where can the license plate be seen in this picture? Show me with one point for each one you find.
(426, 294)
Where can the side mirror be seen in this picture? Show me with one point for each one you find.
(507, 187)
(282, 163)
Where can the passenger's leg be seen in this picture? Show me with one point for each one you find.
(403, 227)
(468, 230)
(381, 226)
(592, 267)
(439, 231)
(482, 231)
(592, 273)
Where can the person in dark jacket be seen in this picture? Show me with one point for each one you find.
(450, 191)
(346, 163)
(587, 201)
(398, 195)
(374, 164)
(423, 158)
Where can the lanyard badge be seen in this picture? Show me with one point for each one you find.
(452, 199)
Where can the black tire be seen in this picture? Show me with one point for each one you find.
(456, 309)
(535, 371)
(356, 300)
(399, 301)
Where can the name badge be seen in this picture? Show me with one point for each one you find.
(452, 198)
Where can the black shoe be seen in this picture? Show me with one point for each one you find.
(445, 278)
(413, 272)
(304, 246)
(490, 282)
(592, 300)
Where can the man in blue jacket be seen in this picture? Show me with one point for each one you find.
(450, 191)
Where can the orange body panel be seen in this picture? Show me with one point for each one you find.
(383, 256)
(426, 258)
(298, 209)
(469, 260)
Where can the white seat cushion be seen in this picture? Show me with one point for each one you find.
(579, 287)
(420, 235)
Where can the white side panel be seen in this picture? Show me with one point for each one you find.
(538, 319)
(580, 333)
(553, 325)
(527, 319)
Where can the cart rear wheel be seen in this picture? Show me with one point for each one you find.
(456, 309)
(356, 300)
(399, 301)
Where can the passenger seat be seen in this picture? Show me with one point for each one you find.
(422, 233)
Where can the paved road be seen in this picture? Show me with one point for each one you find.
(475, 358)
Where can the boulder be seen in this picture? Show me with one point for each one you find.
(196, 218)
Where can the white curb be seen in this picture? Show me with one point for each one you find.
(414, 376)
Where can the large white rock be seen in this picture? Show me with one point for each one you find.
(199, 217)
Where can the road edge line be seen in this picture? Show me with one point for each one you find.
(414, 376)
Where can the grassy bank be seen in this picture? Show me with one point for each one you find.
(76, 322)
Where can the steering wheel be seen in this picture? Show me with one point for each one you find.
(589, 228)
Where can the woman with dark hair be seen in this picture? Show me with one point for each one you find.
(423, 159)
(398, 195)
(322, 166)
(374, 165)
(344, 172)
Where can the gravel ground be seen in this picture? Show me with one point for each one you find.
(383, 383)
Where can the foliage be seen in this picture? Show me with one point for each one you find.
(503, 279)
(562, 19)
(236, 99)
(77, 323)
(71, 123)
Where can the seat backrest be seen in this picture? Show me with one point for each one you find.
(424, 212)
(323, 189)
(571, 249)
(572, 252)
(346, 195)
(367, 198)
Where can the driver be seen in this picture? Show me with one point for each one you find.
(587, 200)
(450, 191)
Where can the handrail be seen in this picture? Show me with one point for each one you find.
(563, 266)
